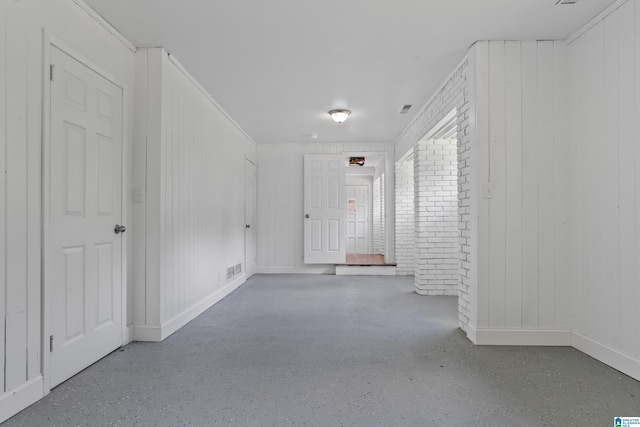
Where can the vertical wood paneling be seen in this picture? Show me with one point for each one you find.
(21, 132)
(280, 196)
(200, 216)
(581, 298)
(546, 186)
(154, 182)
(608, 183)
(562, 186)
(17, 214)
(530, 204)
(576, 131)
(593, 205)
(34, 209)
(513, 177)
(605, 127)
(3, 195)
(482, 164)
(497, 178)
(634, 293)
(522, 103)
(139, 189)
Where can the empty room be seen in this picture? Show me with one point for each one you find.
(354, 212)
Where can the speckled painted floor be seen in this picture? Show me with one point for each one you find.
(289, 350)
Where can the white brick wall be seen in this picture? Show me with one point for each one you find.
(378, 215)
(455, 93)
(437, 265)
(405, 242)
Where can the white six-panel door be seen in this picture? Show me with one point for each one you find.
(83, 254)
(324, 209)
(358, 217)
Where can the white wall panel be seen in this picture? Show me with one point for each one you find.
(3, 184)
(280, 202)
(521, 103)
(193, 210)
(21, 73)
(605, 176)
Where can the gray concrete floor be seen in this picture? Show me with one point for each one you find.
(335, 351)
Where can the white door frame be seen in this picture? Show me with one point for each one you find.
(248, 272)
(389, 199)
(50, 40)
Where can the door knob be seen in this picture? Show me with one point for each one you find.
(306, 216)
(247, 226)
(119, 229)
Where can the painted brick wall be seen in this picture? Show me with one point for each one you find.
(455, 93)
(405, 224)
(466, 198)
(378, 215)
(437, 265)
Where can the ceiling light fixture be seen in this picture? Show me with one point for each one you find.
(339, 116)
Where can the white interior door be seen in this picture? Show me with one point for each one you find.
(358, 217)
(324, 209)
(83, 260)
(250, 218)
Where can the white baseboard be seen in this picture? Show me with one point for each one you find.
(14, 401)
(159, 333)
(319, 269)
(127, 335)
(536, 337)
(617, 360)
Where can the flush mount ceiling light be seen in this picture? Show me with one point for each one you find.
(339, 116)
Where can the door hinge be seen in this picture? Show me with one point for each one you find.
(51, 68)
(50, 343)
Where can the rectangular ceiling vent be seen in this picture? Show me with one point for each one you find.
(405, 109)
(566, 2)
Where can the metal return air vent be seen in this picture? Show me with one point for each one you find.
(559, 2)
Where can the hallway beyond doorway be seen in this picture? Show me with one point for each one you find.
(335, 350)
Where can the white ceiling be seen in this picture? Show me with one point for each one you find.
(278, 66)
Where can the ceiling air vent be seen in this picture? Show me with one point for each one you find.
(405, 109)
(566, 2)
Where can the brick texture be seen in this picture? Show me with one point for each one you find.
(405, 224)
(378, 215)
(442, 243)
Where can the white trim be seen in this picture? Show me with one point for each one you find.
(206, 94)
(511, 337)
(110, 28)
(159, 333)
(450, 117)
(14, 401)
(321, 269)
(607, 355)
(435, 94)
(599, 17)
(389, 198)
(365, 270)
(127, 335)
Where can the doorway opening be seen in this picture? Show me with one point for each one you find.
(437, 244)
(405, 214)
(366, 211)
